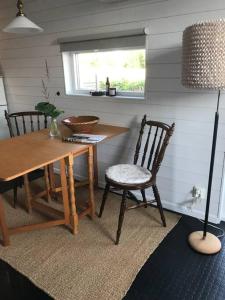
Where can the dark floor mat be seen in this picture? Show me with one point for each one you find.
(175, 271)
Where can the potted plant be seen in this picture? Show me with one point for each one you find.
(51, 111)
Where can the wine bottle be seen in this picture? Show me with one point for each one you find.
(107, 86)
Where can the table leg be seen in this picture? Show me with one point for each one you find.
(74, 216)
(4, 228)
(52, 181)
(28, 193)
(95, 163)
(64, 191)
(51, 176)
(91, 181)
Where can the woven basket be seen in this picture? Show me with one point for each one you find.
(81, 124)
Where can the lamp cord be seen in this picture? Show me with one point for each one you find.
(215, 227)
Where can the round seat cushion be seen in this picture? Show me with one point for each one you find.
(128, 174)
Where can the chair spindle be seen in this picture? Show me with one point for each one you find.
(146, 146)
(17, 127)
(158, 149)
(45, 121)
(152, 148)
(138, 146)
(38, 122)
(31, 123)
(24, 125)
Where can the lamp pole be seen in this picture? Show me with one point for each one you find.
(215, 130)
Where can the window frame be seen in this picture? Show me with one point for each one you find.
(72, 67)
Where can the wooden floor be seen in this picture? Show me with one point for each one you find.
(174, 271)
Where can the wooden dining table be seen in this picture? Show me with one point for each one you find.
(23, 154)
(26, 153)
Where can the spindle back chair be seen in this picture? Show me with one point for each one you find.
(20, 123)
(158, 135)
(27, 121)
(151, 145)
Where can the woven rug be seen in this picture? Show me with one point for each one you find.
(88, 265)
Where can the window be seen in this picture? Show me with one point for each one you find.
(87, 64)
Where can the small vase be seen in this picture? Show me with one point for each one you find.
(54, 130)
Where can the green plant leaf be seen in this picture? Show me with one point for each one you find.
(56, 113)
(48, 109)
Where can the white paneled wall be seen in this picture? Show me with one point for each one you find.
(187, 159)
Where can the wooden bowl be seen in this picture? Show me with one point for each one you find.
(81, 124)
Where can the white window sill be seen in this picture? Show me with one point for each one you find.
(118, 97)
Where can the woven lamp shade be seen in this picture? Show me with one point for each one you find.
(204, 55)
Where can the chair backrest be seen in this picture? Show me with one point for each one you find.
(26, 121)
(151, 145)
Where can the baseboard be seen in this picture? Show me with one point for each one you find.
(168, 205)
(193, 213)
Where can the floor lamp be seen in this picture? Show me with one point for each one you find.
(204, 67)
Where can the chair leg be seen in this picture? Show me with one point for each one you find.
(144, 198)
(28, 193)
(15, 194)
(121, 216)
(47, 184)
(159, 204)
(3, 225)
(106, 191)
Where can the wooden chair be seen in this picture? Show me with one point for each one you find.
(6, 186)
(142, 173)
(21, 123)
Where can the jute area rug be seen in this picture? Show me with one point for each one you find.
(88, 265)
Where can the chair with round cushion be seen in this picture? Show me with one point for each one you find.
(150, 149)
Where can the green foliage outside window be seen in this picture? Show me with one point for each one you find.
(135, 60)
(125, 85)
